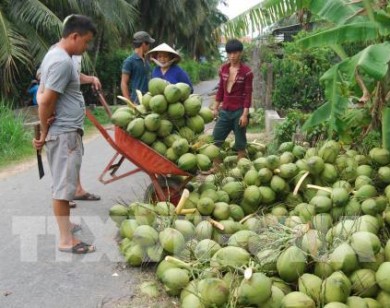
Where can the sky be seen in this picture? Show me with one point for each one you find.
(236, 7)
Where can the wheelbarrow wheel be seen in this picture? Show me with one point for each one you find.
(171, 187)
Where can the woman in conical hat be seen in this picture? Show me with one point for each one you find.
(166, 59)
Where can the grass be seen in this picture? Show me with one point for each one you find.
(16, 138)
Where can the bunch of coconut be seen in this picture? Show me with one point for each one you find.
(304, 227)
(171, 121)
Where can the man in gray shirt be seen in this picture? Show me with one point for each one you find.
(59, 93)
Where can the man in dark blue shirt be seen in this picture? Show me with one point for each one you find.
(135, 68)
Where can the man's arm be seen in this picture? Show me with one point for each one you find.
(84, 79)
(47, 100)
(124, 85)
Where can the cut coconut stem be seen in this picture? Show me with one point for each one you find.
(246, 218)
(128, 102)
(177, 262)
(182, 201)
(248, 273)
(300, 182)
(216, 224)
(187, 211)
(327, 189)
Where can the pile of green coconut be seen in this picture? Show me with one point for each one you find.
(305, 227)
(171, 121)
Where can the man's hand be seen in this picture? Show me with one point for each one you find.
(96, 83)
(244, 120)
(39, 143)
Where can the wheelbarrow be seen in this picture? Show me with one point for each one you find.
(167, 179)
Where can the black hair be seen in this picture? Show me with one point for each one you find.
(78, 23)
(234, 45)
(138, 44)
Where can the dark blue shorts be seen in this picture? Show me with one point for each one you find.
(230, 121)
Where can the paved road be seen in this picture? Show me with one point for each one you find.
(32, 272)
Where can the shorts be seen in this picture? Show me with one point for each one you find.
(230, 121)
(64, 155)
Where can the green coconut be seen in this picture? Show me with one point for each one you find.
(221, 211)
(162, 267)
(205, 249)
(145, 235)
(329, 151)
(365, 192)
(204, 163)
(192, 301)
(180, 146)
(205, 205)
(267, 259)
(134, 255)
(136, 127)
(372, 303)
(315, 165)
(122, 118)
(322, 204)
(165, 128)
(297, 300)
(335, 288)
(157, 86)
(119, 213)
(196, 123)
(356, 302)
(364, 283)
(187, 162)
(210, 150)
(185, 90)
(127, 228)
(175, 111)
(172, 93)
(148, 137)
(267, 194)
(175, 278)
(171, 240)
(155, 253)
(206, 114)
(344, 258)
(213, 292)
(380, 156)
(382, 276)
(255, 290)
(230, 256)
(310, 285)
(322, 267)
(223, 196)
(291, 264)
(192, 105)
(275, 300)
(366, 245)
(144, 213)
(203, 230)
(158, 104)
(185, 227)
(339, 196)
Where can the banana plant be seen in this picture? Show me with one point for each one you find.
(365, 74)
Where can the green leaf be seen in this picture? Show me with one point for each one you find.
(373, 60)
(357, 32)
(337, 11)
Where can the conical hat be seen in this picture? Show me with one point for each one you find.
(165, 48)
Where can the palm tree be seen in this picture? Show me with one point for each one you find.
(185, 24)
(29, 27)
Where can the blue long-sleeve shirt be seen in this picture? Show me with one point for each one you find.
(174, 75)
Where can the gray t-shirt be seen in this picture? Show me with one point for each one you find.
(58, 73)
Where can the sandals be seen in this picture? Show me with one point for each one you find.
(87, 197)
(72, 204)
(80, 248)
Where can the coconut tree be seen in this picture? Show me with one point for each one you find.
(29, 27)
(360, 77)
(183, 24)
